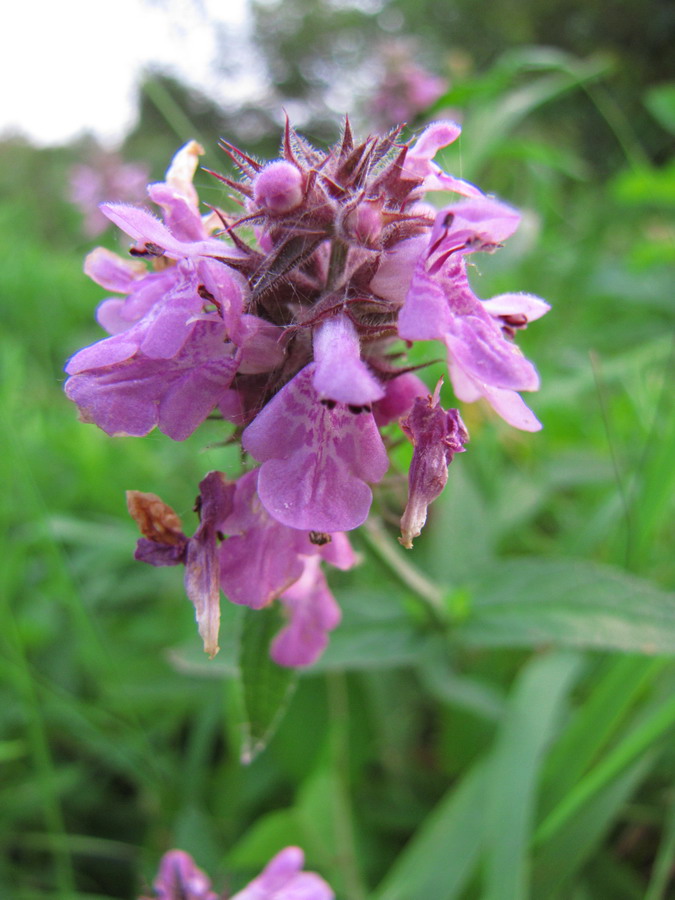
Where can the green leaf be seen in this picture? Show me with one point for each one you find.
(268, 835)
(490, 126)
(533, 710)
(444, 852)
(660, 101)
(616, 690)
(562, 857)
(663, 864)
(266, 687)
(658, 722)
(646, 185)
(569, 603)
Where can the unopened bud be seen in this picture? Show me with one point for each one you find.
(279, 188)
(364, 223)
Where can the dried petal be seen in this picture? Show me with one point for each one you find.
(437, 435)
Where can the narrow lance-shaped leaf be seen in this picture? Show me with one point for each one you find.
(266, 687)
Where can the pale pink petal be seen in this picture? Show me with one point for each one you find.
(392, 279)
(507, 404)
(145, 229)
(312, 613)
(517, 304)
(434, 138)
(474, 224)
(111, 271)
(283, 879)
(512, 408)
(340, 373)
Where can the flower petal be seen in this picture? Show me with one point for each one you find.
(340, 373)
(316, 460)
(312, 612)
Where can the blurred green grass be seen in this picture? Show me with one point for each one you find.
(115, 744)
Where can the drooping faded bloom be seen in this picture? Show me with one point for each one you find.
(283, 878)
(436, 435)
(297, 336)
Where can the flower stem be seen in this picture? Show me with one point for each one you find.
(429, 594)
(338, 704)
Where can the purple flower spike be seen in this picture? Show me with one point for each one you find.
(437, 435)
(180, 879)
(340, 374)
(283, 879)
(316, 458)
(294, 325)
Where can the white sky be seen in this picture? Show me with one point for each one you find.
(70, 66)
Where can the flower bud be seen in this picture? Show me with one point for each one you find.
(364, 223)
(279, 188)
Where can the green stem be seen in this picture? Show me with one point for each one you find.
(428, 593)
(338, 704)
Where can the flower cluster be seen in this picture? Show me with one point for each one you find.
(405, 89)
(291, 321)
(104, 175)
(281, 879)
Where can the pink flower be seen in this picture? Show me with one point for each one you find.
(317, 458)
(105, 175)
(180, 879)
(283, 879)
(288, 324)
(440, 304)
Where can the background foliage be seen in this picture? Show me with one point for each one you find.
(494, 717)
